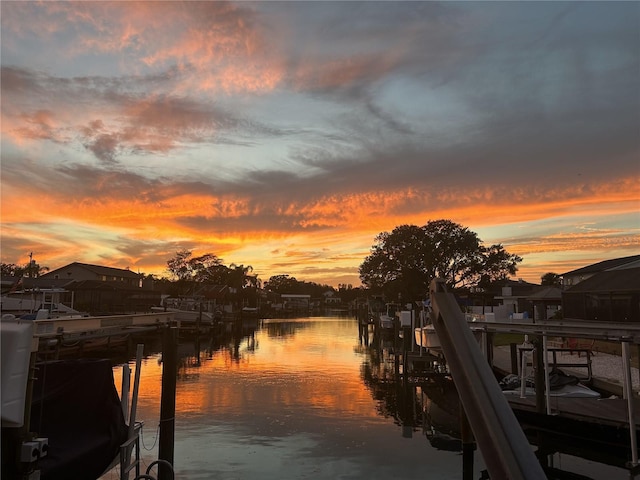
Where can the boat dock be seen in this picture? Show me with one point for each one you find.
(86, 332)
(504, 425)
(569, 425)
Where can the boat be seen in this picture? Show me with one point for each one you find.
(560, 385)
(29, 303)
(427, 337)
(68, 421)
(387, 320)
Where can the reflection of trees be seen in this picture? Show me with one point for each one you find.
(193, 352)
(284, 329)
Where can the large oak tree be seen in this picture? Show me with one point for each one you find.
(404, 261)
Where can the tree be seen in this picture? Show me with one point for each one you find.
(282, 284)
(208, 268)
(179, 266)
(11, 270)
(190, 271)
(397, 262)
(498, 265)
(240, 277)
(205, 268)
(403, 263)
(244, 283)
(551, 279)
(31, 269)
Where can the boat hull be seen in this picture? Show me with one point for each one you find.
(568, 391)
(428, 338)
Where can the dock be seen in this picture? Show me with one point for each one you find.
(504, 425)
(55, 335)
(574, 425)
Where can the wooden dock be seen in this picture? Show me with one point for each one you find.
(597, 429)
(84, 333)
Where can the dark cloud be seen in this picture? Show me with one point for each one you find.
(270, 112)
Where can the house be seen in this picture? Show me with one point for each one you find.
(296, 303)
(331, 299)
(514, 297)
(574, 277)
(100, 290)
(547, 302)
(83, 271)
(612, 295)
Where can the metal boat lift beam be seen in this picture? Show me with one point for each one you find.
(504, 446)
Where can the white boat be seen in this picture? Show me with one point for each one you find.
(190, 311)
(388, 318)
(32, 302)
(189, 316)
(427, 337)
(561, 385)
(568, 391)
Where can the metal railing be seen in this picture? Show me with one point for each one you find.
(504, 446)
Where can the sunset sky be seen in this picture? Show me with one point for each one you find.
(287, 135)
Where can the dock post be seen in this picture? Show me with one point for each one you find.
(168, 402)
(468, 445)
(539, 375)
(628, 394)
(124, 391)
(513, 350)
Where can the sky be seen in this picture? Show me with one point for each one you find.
(286, 136)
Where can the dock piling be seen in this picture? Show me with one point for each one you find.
(168, 402)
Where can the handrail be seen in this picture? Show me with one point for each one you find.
(610, 331)
(504, 446)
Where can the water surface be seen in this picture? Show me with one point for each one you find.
(305, 398)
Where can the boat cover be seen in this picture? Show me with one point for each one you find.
(77, 407)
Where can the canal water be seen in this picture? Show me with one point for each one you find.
(304, 399)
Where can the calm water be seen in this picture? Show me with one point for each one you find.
(298, 399)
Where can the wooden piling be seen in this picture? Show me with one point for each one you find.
(468, 445)
(168, 402)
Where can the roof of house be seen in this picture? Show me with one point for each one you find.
(546, 294)
(509, 282)
(625, 280)
(604, 265)
(97, 269)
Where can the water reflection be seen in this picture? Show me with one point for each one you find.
(309, 398)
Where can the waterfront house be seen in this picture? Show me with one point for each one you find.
(574, 277)
(296, 303)
(607, 296)
(547, 302)
(513, 299)
(83, 271)
(101, 290)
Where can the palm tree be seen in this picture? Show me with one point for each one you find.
(244, 283)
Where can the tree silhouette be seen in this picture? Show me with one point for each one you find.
(403, 262)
